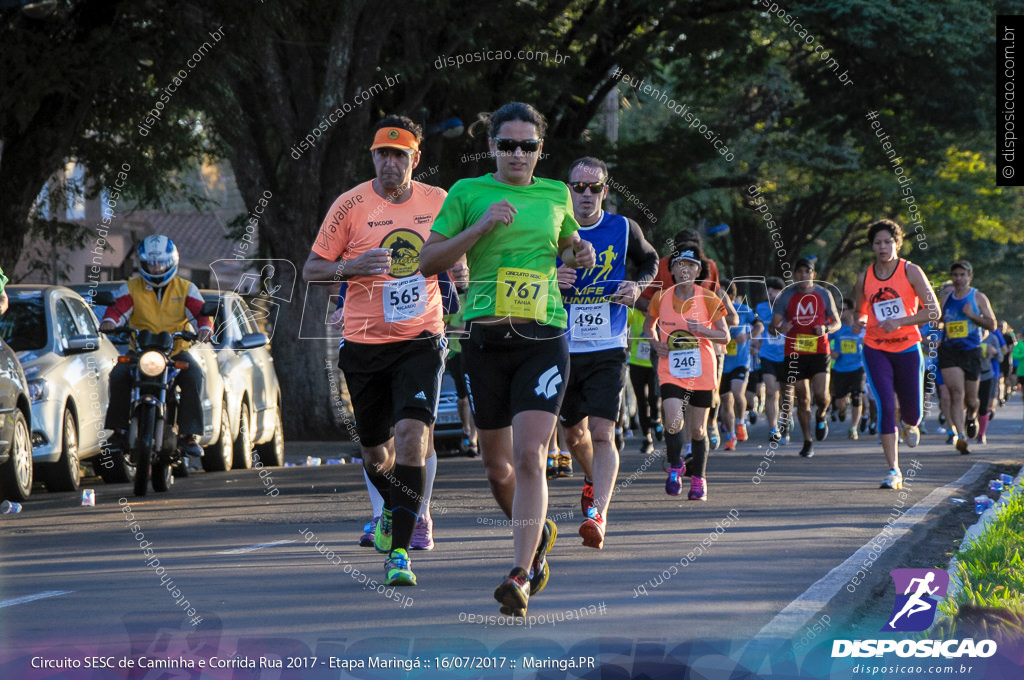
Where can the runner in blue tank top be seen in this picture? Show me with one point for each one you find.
(965, 310)
(597, 306)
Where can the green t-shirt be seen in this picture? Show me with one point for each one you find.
(512, 268)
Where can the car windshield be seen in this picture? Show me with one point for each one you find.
(23, 327)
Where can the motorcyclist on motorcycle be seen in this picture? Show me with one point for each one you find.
(158, 300)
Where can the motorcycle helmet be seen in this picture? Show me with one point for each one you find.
(158, 260)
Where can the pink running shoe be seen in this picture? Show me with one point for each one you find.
(698, 489)
(423, 535)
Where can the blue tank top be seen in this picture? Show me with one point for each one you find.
(594, 323)
(959, 331)
(737, 354)
(850, 346)
(773, 348)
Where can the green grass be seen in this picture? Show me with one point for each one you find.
(990, 568)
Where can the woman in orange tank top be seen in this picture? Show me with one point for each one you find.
(683, 322)
(893, 299)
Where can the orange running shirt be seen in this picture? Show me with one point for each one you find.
(400, 304)
(892, 298)
(691, 363)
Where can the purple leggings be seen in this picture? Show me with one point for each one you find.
(893, 375)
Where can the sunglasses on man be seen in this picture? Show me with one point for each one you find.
(580, 187)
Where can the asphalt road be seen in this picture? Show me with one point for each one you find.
(75, 581)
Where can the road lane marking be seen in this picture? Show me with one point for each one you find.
(250, 548)
(32, 598)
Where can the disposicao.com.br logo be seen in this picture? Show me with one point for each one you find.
(918, 592)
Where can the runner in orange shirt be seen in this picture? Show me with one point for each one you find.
(394, 344)
(684, 322)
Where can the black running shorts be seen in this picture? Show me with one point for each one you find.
(967, 360)
(698, 398)
(392, 381)
(596, 380)
(511, 368)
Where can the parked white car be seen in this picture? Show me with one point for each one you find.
(67, 365)
(253, 393)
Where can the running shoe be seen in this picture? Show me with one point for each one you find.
(714, 441)
(971, 428)
(366, 540)
(592, 529)
(423, 534)
(820, 428)
(922, 428)
(911, 435)
(873, 427)
(587, 497)
(942, 418)
(842, 414)
(539, 571)
(552, 471)
(950, 437)
(981, 439)
(834, 415)
(698, 489)
(752, 417)
(514, 593)
(852, 434)
(893, 480)
(646, 446)
(807, 451)
(741, 432)
(674, 483)
(659, 431)
(382, 532)
(730, 442)
(564, 465)
(961, 446)
(397, 569)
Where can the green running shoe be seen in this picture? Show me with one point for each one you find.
(382, 532)
(397, 568)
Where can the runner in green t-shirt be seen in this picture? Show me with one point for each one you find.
(512, 226)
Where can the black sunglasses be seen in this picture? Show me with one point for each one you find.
(580, 187)
(510, 145)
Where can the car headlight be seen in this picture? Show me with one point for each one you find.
(152, 364)
(38, 390)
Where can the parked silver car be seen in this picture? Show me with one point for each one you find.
(67, 364)
(15, 421)
(253, 393)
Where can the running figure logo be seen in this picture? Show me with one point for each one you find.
(915, 608)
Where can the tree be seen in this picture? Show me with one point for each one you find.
(72, 86)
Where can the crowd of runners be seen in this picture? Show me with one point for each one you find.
(564, 328)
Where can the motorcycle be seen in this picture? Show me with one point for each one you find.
(152, 436)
